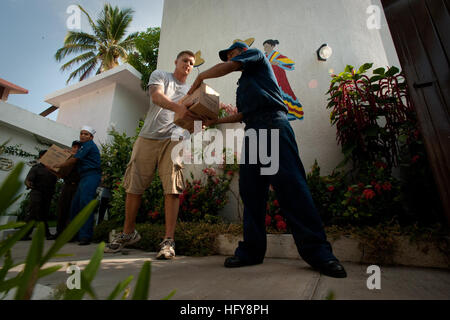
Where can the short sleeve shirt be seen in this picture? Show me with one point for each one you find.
(88, 158)
(159, 121)
(258, 89)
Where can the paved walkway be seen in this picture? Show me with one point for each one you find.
(205, 278)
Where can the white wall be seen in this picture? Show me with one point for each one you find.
(27, 129)
(93, 109)
(300, 26)
(127, 109)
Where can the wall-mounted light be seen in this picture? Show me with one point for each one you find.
(324, 52)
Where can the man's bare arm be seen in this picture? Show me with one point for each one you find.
(160, 99)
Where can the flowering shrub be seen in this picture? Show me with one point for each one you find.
(369, 113)
(202, 199)
(275, 221)
(368, 198)
(226, 110)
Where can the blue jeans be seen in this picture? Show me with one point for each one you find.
(86, 192)
(292, 192)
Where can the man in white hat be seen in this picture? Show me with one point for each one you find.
(87, 160)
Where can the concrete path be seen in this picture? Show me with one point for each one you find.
(205, 278)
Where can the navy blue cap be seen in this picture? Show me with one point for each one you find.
(223, 53)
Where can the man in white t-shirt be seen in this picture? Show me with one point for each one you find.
(152, 151)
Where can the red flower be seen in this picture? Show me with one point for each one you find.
(218, 202)
(267, 207)
(194, 210)
(350, 189)
(387, 186)
(216, 181)
(155, 215)
(230, 173)
(368, 194)
(415, 159)
(380, 164)
(360, 185)
(278, 218)
(331, 188)
(268, 220)
(378, 187)
(275, 203)
(281, 225)
(181, 197)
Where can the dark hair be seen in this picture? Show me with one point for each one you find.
(76, 143)
(41, 153)
(273, 43)
(189, 53)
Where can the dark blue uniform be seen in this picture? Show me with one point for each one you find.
(88, 165)
(259, 100)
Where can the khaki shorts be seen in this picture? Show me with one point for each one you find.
(147, 156)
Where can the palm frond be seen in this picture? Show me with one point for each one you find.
(79, 38)
(129, 42)
(78, 59)
(71, 48)
(84, 70)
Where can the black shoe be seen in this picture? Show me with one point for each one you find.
(74, 239)
(51, 237)
(84, 242)
(236, 262)
(332, 268)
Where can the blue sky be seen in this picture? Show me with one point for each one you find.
(32, 31)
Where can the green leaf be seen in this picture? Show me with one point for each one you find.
(45, 272)
(10, 187)
(337, 94)
(70, 231)
(376, 78)
(379, 71)
(349, 68)
(403, 138)
(7, 244)
(12, 225)
(10, 283)
(392, 71)
(143, 283)
(365, 67)
(87, 275)
(31, 270)
(170, 295)
(119, 288)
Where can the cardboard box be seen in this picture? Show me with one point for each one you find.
(203, 102)
(56, 155)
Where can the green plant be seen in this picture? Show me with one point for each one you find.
(34, 265)
(105, 46)
(275, 221)
(369, 113)
(145, 58)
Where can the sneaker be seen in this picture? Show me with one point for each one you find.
(167, 250)
(121, 240)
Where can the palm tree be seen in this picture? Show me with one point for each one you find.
(104, 47)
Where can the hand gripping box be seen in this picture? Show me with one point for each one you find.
(203, 102)
(56, 155)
